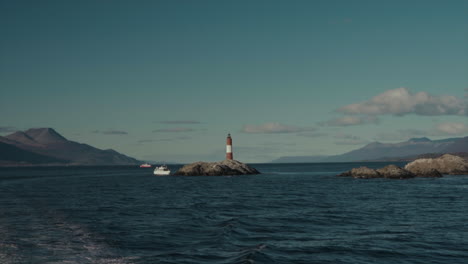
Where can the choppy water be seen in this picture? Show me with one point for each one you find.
(296, 213)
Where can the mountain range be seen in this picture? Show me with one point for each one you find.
(44, 146)
(38, 146)
(389, 151)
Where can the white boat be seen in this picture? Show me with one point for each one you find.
(162, 170)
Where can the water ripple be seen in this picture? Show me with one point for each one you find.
(292, 215)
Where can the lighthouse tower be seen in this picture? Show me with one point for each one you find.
(229, 147)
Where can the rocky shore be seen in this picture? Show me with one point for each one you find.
(446, 164)
(220, 168)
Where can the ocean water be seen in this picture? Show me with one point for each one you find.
(292, 213)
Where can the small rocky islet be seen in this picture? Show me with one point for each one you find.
(433, 168)
(221, 168)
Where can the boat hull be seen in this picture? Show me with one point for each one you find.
(156, 172)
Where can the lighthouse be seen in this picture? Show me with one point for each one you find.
(229, 147)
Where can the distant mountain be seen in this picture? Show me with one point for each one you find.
(47, 142)
(45, 135)
(390, 151)
(377, 150)
(11, 155)
(460, 145)
(19, 137)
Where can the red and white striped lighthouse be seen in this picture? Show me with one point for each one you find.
(229, 147)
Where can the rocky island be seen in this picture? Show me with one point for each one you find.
(220, 168)
(446, 164)
(389, 172)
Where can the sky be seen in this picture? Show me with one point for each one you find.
(168, 80)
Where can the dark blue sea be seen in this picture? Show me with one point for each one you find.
(292, 213)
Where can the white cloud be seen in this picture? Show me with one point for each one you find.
(401, 102)
(7, 129)
(452, 128)
(403, 135)
(114, 132)
(351, 121)
(312, 134)
(351, 142)
(111, 132)
(347, 139)
(172, 122)
(273, 128)
(346, 136)
(162, 139)
(173, 130)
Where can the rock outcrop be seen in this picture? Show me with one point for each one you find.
(388, 172)
(362, 173)
(395, 172)
(220, 168)
(426, 172)
(446, 164)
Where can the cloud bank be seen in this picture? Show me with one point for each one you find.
(452, 128)
(273, 128)
(401, 101)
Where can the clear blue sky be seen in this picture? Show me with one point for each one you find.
(167, 80)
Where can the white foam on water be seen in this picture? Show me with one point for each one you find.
(88, 249)
(8, 258)
(68, 242)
